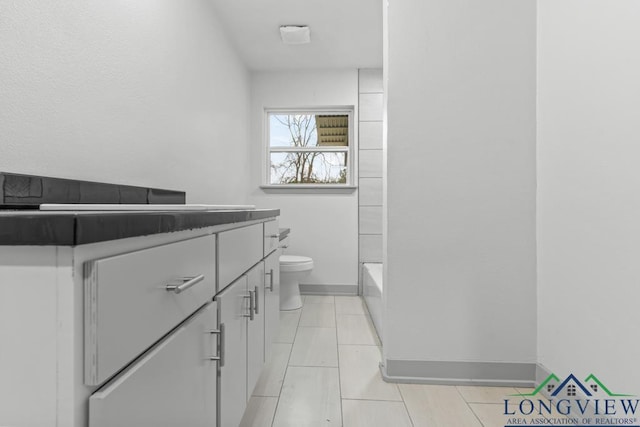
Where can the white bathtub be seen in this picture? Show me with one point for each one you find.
(372, 290)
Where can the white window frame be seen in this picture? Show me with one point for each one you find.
(350, 149)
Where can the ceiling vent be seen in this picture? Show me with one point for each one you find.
(295, 34)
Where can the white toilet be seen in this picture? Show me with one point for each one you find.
(293, 268)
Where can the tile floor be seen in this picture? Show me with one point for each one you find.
(324, 372)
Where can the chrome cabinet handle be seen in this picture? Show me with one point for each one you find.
(220, 357)
(284, 246)
(256, 304)
(187, 283)
(274, 236)
(252, 303)
(270, 274)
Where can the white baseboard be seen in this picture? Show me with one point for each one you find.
(459, 373)
(315, 289)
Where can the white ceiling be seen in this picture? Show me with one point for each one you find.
(344, 33)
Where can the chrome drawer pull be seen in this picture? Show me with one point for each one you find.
(255, 301)
(222, 345)
(270, 274)
(274, 236)
(252, 303)
(188, 282)
(220, 357)
(284, 246)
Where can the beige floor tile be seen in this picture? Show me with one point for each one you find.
(350, 305)
(310, 397)
(319, 299)
(272, 376)
(356, 329)
(318, 315)
(479, 394)
(259, 412)
(525, 390)
(360, 374)
(315, 347)
(374, 413)
(288, 325)
(492, 415)
(437, 406)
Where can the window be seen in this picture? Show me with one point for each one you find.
(309, 148)
(571, 390)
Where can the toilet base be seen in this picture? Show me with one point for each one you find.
(290, 296)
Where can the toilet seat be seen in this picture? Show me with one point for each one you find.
(290, 263)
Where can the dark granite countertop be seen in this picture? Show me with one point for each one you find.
(29, 227)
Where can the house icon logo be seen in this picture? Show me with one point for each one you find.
(572, 387)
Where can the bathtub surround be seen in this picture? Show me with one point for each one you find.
(370, 167)
(461, 258)
(372, 290)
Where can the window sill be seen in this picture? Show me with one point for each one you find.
(309, 188)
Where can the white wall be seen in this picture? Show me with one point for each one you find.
(145, 92)
(588, 216)
(461, 181)
(323, 225)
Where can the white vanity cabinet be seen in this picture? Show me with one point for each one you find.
(173, 384)
(167, 329)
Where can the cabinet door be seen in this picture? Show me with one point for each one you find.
(233, 309)
(255, 330)
(172, 384)
(272, 301)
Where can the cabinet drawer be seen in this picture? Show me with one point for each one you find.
(131, 300)
(271, 236)
(174, 384)
(238, 250)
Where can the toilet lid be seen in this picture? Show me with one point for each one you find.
(294, 259)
